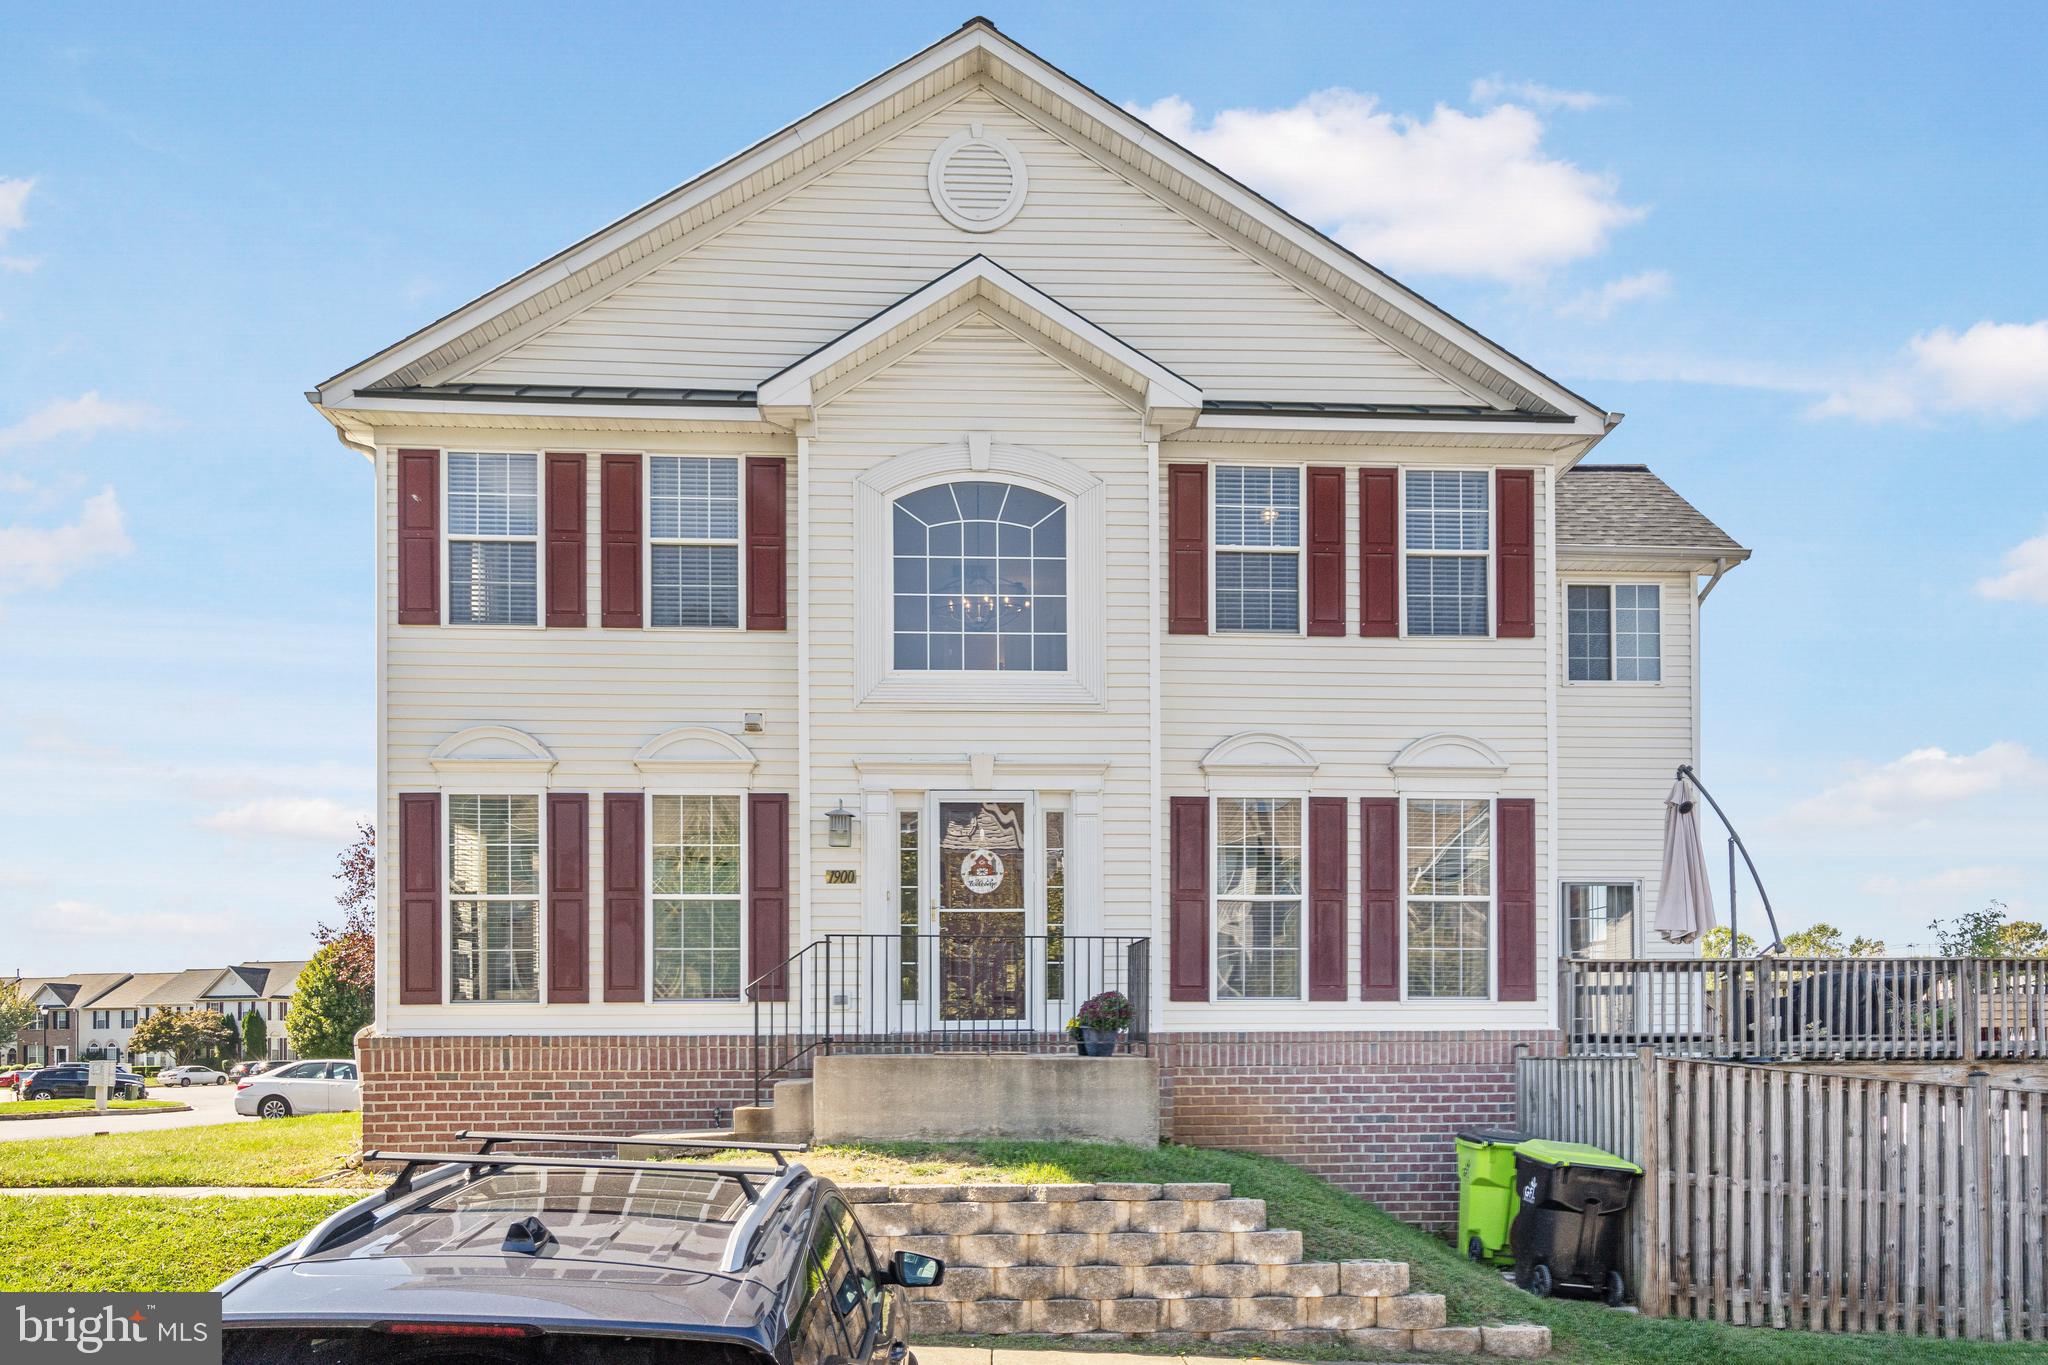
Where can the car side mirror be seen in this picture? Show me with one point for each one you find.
(915, 1270)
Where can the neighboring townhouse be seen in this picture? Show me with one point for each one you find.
(263, 988)
(968, 517)
(109, 1020)
(35, 1045)
(62, 1003)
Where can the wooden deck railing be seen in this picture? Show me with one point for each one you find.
(1895, 1008)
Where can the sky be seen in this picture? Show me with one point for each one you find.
(1798, 245)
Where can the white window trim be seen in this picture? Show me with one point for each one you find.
(1564, 911)
(1492, 547)
(540, 902)
(648, 540)
(1492, 898)
(1217, 548)
(537, 540)
(741, 793)
(877, 683)
(1564, 607)
(1215, 895)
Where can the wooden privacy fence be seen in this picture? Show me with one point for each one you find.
(1778, 1197)
(1905, 1008)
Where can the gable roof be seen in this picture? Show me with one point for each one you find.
(134, 992)
(1625, 507)
(185, 988)
(272, 978)
(641, 239)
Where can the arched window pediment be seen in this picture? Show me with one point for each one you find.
(1447, 753)
(492, 748)
(1261, 753)
(695, 749)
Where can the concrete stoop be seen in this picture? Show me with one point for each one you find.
(1117, 1261)
(785, 1118)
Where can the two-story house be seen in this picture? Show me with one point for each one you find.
(967, 517)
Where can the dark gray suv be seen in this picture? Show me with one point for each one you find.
(504, 1258)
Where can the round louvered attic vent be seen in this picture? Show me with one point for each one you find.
(977, 180)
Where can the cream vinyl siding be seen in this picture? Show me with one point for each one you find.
(740, 305)
(593, 697)
(979, 377)
(1618, 747)
(1354, 704)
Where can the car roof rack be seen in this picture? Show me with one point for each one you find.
(411, 1162)
(775, 1150)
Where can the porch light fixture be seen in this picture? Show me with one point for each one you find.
(839, 826)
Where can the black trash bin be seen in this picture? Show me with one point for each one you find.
(1568, 1233)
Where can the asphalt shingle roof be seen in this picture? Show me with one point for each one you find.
(1625, 506)
(135, 991)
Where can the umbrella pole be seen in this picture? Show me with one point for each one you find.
(1777, 939)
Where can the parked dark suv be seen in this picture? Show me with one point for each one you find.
(502, 1258)
(71, 1081)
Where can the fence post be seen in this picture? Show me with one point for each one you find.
(1977, 1216)
(1521, 1089)
(1649, 1217)
(1969, 1008)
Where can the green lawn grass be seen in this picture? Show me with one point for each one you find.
(21, 1109)
(1338, 1226)
(292, 1151)
(110, 1243)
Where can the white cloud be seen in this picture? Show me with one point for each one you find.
(1452, 194)
(312, 818)
(14, 217)
(1995, 369)
(2026, 574)
(1488, 90)
(1922, 784)
(85, 415)
(44, 556)
(1946, 883)
(1600, 303)
(83, 918)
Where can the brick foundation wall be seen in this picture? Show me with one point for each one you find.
(1372, 1112)
(420, 1091)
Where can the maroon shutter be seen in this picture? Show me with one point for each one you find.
(1187, 556)
(768, 893)
(568, 896)
(419, 898)
(619, 533)
(1189, 909)
(1379, 552)
(565, 541)
(1517, 843)
(1515, 557)
(1379, 927)
(1329, 877)
(625, 895)
(419, 537)
(767, 543)
(1325, 551)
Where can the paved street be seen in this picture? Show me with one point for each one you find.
(210, 1104)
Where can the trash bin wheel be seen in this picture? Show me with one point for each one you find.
(1537, 1280)
(1475, 1248)
(1617, 1292)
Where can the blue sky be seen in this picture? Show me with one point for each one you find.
(1798, 245)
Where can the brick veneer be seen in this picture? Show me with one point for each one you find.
(1372, 1112)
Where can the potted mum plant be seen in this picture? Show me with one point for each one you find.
(1101, 1019)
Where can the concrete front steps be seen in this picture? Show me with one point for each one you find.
(785, 1118)
(1121, 1261)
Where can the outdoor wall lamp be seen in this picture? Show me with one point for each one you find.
(839, 826)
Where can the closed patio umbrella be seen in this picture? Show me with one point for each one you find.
(1685, 902)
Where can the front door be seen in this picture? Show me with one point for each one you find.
(984, 904)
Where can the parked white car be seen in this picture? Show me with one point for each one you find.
(191, 1075)
(318, 1087)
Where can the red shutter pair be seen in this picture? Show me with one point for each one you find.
(1328, 897)
(565, 536)
(1379, 551)
(568, 895)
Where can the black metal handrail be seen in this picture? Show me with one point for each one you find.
(944, 992)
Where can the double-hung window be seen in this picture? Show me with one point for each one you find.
(697, 889)
(1450, 898)
(1615, 632)
(693, 532)
(493, 539)
(1600, 919)
(494, 897)
(1448, 540)
(1259, 856)
(1258, 548)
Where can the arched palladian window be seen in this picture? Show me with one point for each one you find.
(980, 579)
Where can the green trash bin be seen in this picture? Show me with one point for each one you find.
(1487, 1202)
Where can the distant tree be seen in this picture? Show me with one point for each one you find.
(327, 1009)
(1714, 943)
(1825, 940)
(17, 1011)
(187, 1035)
(255, 1035)
(356, 935)
(1990, 933)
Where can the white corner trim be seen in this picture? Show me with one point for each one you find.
(1259, 753)
(485, 749)
(950, 187)
(1445, 753)
(696, 750)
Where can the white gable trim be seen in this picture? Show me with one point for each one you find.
(695, 750)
